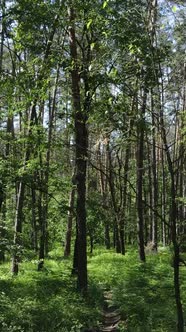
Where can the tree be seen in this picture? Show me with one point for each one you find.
(81, 141)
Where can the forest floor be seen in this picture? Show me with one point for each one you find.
(111, 314)
(142, 295)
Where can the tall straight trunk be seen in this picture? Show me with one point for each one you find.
(146, 217)
(42, 230)
(2, 223)
(20, 200)
(152, 18)
(75, 255)
(102, 160)
(155, 181)
(124, 203)
(173, 217)
(81, 142)
(173, 220)
(140, 171)
(114, 203)
(3, 185)
(163, 200)
(2, 33)
(107, 236)
(18, 228)
(52, 108)
(34, 223)
(150, 193)
(182, 160)
(70, 220)
(181, 190)
(42, 179)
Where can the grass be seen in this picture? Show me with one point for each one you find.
(143, 292)
(48, 301)
(44, 301)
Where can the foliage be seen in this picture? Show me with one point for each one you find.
(125, 50)
(143, 292)
(46, 301)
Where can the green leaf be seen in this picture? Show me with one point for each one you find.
(89, 23)
(105, 3)
(92, 46)
(174, 9)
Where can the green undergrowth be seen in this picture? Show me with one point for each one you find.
(45, 301)
(48, 300)
(143, 292)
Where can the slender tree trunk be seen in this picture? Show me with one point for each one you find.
(20, 200)
(125, 181)
(2, 223)
(150, 193)
(102, 160)
(173, 219)
(81, 141)
(182, 160)
(140, 171)
(75, 256)
(114, 203)
(70, 219)
(34, 223)
(107, 236)
(2, 34)
(47, 163)
(3, 185)
(18, 228)
(146, 217)
(155, 181)
(173, 222)
(163, 200)
(42, 230)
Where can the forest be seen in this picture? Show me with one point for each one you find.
(92, 166)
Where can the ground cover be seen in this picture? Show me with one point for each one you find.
(48, 301)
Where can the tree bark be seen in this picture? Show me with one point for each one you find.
(173, 223)
(18, 228)
(140, 171)
(81, 141)
(70, 220)
(34, 223)
(20, 202)
(2, 34)
(116, 238)
(155, 181)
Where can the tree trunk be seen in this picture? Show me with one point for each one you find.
(18, 228)
(155, 181)
(2, 34)
(69, 223)
(20, 202)
(140, 156)
(107, 236)
(102, 160)
(42, 230)
(34, 224)
(75, 256)
(81, 141)
(124, 203)
(173, 222)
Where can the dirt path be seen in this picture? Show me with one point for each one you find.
(111, 315)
